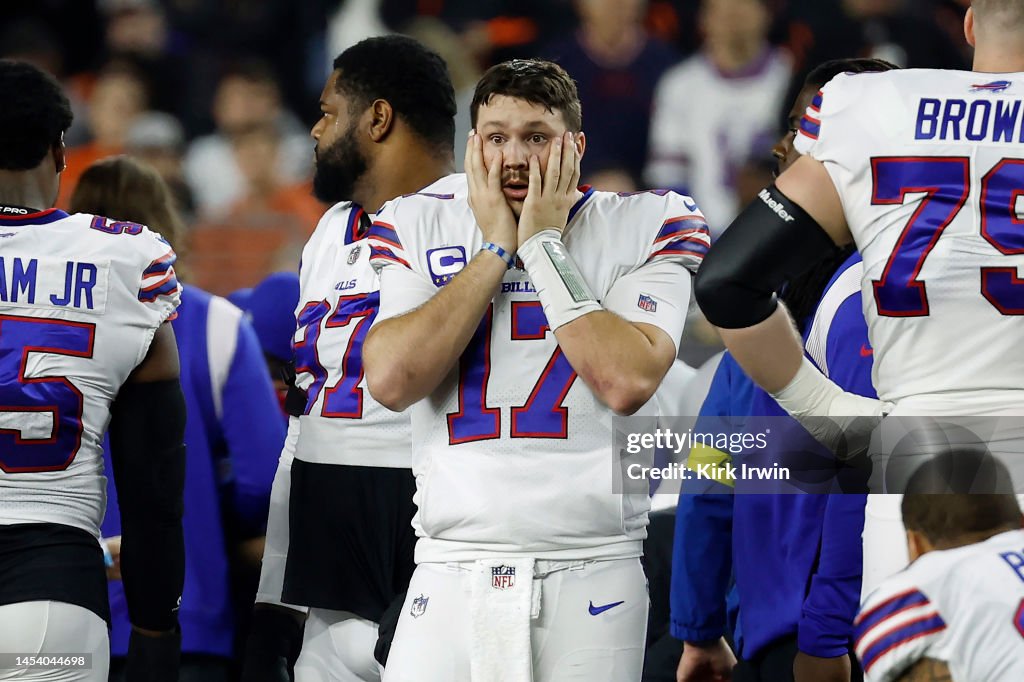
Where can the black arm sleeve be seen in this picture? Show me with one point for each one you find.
(770, 242)
(295, 399)
(147, 429)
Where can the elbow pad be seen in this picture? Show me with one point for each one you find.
(147, 429)
(770, 242)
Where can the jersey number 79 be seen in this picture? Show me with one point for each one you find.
(946, 182)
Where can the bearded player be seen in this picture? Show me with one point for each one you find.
(386, 128)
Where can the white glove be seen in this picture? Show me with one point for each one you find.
(841, 421)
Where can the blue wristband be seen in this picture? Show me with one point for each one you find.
(500, 252)
(108, 558)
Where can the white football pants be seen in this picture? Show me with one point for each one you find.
(591, 625)
(337, 646)
(46, 628)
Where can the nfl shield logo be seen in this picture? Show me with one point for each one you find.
(419, 605)
(503, 577)
(353, 255)
(647, 303)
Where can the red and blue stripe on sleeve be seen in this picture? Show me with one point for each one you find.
(883, 632)
(685, 237)
(810, 124)
(385, 246)
(158, 279)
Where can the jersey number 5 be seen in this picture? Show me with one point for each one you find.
(541, 416)
(40, 417)
(946, 183)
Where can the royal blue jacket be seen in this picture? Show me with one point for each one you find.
(233, 436)
(798, 557)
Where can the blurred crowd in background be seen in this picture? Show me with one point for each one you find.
(219, 95)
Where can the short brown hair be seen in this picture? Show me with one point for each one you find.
(535, 81)
(1005, 13)
(946, 520)
(123, 188)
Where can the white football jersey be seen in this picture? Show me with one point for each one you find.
(707, 124)
(963, 606)
(929, 165)
(338, 301)
(80, 299)
(512, 453)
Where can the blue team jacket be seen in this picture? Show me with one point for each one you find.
(798, 558)
(233, 435)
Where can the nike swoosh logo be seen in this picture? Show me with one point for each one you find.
(866, 352)
(689, 204)
(598, 610)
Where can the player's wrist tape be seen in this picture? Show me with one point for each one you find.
(563, 292)
(501, 253)
(809, 391)
(828, 412)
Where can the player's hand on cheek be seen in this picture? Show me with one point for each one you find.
(549, 199)
(490, 208)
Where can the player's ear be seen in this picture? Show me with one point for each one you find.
(382, 119)
(581, 143)
(58, 153)
(917, 544)
(969, 27)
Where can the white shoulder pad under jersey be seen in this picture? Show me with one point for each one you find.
(963, 606)
(81, 297)
(928, 164)
(512, 452)
(338, 301)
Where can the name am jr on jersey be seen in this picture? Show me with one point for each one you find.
(53, 283)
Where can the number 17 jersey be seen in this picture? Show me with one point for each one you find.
(929, 166)
(513, 454)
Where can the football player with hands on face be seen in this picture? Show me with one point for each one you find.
(517, 316)
(543, 203)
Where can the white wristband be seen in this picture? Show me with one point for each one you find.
(563, 292)
(832, 415)
(809, 393)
